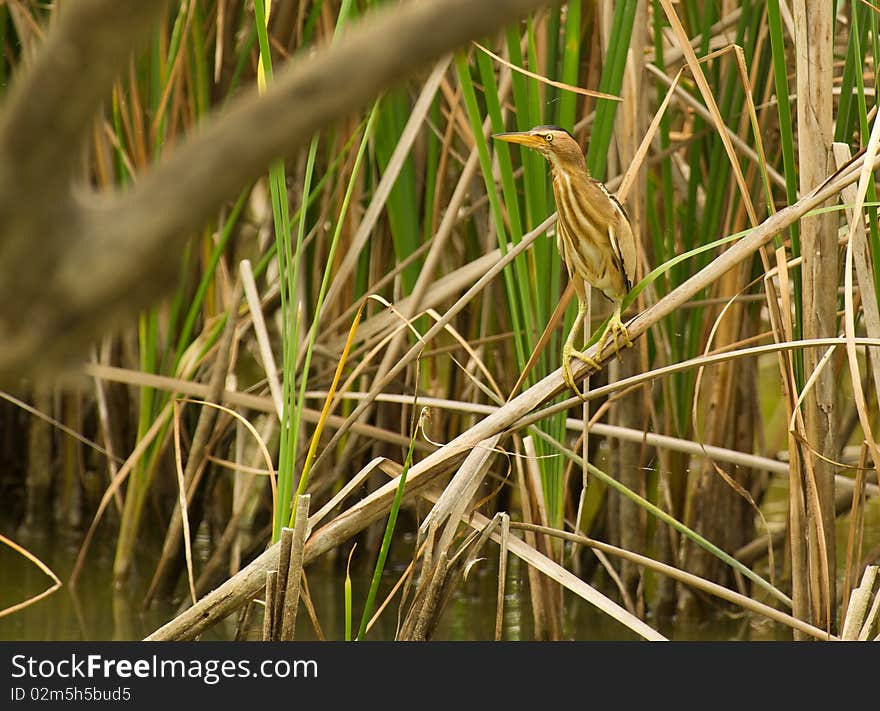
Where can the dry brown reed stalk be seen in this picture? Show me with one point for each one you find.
(537, 588)
(502, 576)
(631, 411)
(56, 583)
(549, 612)
(262, 334)
(814, 32)
(711, 103)
(856, 532)
(284, 557)
(232, 398)
(860, 621)
(687, 578)
(271, 590)
(293, 574)
(862, 261)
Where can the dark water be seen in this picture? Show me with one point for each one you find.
(95, 611)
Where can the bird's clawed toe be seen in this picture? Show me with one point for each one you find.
(569, 352)
(619, 334)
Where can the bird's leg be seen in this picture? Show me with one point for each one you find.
(569, 351)
(614, 328)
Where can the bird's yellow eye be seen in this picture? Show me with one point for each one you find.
(549, 138)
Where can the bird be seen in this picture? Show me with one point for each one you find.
(594, 236)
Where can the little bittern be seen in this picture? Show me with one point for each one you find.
(593, 235)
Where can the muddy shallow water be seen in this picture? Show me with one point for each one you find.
(94, 611)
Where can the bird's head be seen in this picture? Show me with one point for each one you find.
(554, 143)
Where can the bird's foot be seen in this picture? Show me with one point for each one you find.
(617, 330)
(569, 352)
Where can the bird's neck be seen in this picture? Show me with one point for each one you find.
(569, 165)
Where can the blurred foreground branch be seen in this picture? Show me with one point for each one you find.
(75, 263)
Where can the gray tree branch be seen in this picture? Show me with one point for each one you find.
(54, 98)
(102, 257)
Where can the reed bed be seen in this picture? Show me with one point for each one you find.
(372, 328)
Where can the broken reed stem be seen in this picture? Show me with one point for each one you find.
(269, 604)
(502, 576)
(283, 585)
(286, 543)
(854, 626)
(244, 622)
(295, 568)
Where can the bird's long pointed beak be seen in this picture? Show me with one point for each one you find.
(524, 138)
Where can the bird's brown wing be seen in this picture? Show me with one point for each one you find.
(623, 242)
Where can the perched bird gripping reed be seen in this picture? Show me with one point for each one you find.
(593, 235)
